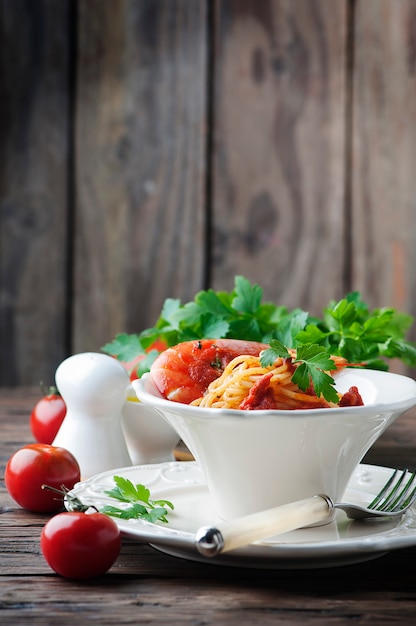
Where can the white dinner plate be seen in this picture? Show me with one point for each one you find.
(340, 542)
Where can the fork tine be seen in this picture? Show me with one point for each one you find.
(410, 500)
(406, 496)
(383, 491)
(390, 499)
(399, 498)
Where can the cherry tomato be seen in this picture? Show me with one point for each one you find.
(80, 545)
(40, 464)
(47, 416)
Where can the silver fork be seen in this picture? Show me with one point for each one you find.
(395, 497)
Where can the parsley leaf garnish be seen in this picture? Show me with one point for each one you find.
(138, 496)
(125, 347)
(313, 363)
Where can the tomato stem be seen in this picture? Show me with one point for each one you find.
(74, 503)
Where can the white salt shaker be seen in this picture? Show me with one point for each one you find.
(93, 386)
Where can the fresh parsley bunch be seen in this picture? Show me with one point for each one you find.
(239, 314)
(346, 328)
(349, 329)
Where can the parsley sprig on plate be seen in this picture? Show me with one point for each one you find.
(138, 497)
(346, 328)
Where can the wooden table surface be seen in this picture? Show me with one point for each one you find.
(147, 587)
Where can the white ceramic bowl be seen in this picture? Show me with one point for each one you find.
(254, 460)
(149, 438)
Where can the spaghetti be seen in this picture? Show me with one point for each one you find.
(246, 384)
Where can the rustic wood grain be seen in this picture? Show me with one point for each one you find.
(153, 148)
(34, 123)
(384, 153)
(145, 586)
(279, 148)
(140, 148)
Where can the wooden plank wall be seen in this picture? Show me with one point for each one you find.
(35, 121)
(151, 148)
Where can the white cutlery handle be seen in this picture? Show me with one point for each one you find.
(244, 530)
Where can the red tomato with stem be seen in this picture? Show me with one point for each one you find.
(80, 545)
(47, 416)
(40, 464)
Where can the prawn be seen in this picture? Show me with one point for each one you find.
(183, 372)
